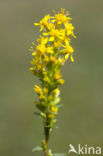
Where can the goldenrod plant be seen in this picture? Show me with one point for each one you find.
(50, 52)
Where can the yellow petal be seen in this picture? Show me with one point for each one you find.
(41, 28)
(45, 34)
(66, 42)
(72, 59)
(51, 39)
(66, 56)
(36, 23)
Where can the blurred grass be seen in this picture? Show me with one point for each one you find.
(81, 118)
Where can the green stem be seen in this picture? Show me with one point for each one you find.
(47, 130)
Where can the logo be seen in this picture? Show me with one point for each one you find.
(84, 149)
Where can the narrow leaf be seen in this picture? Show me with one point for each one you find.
(59, 105)
(59, 154)
(36, 113)
(37, 149)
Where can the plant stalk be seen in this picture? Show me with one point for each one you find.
(47, 130)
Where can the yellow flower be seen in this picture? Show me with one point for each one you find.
(69, 29)
(54, 109)
(61, 61)
(43, 40)
(41, 49)
(45, 58)
(38, 90)
(50, 50)
(57, 44)
(49, 55)
(32, 69)
(51, 116)
(56, 92)
(44, 22)
(66, 40)
(46, 79)
(52, 59)
(61, 81)
(51, 26)
(57, 76)
(42, 97)
(45, 90)
(61, 17)
(55, 33)
(68, 49)
(39, 65)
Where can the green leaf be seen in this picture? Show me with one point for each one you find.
(37, 149)
(59, 154)
(59, 105)
(36, 113)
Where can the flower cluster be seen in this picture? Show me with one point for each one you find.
(50, 52)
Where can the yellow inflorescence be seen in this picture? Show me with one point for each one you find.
(50, 53)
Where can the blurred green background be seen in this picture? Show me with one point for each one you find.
(80, 120)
